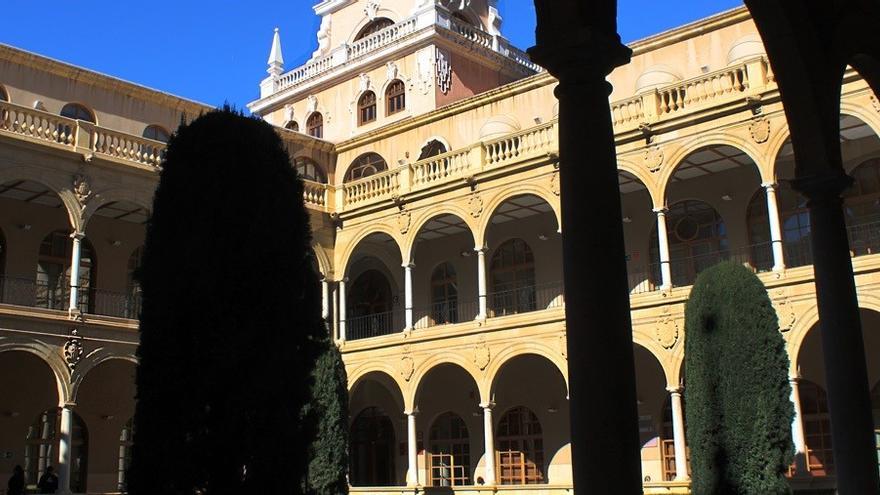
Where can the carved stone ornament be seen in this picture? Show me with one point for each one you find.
(475, 205)
(785, 311)
(554, 183)
(563, 346)
(81, 188)
(406, 367)
(73, 349)
(444, 71)
(876, 103)
(311, 103)
(456, 4)
(760, 130)
(364, 81)
(666, 331)
(482, 355)
(288, 113)
(372, 9)
(403, 221)
(653, 159)
(391, 71)
(425, 68)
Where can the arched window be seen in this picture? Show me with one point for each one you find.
(432, 148)
(365, 165)
(667, 443)
(395, 97)
(760, 248)
(157, 133)
(126, 440)
(520, 448)
(862, 204)
(444, 294)
(817, 427)
(367, 108)
(450, 451)
(77, 112)
(513, 278)
(369, 306)
(133, 297)
(41, 449)
(697, 240)
(309, 170)
(315, 125)
(292, 126)
(373, 449)
(374, 27)
(53, 272)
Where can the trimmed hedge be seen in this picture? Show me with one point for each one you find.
(739, 411)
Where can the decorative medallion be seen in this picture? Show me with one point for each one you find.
(391, 71)
(372, 9)
(785, 312)
(666, 331)
(554, 183)
(403, 221)
(653, 159)
(475, 205)
(482, 355)
(82, 189)
(444, 71)
(312, 103)
(364, 82)
(73, 349)
(406, 367)
(760, 130)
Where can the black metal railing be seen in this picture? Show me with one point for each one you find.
(22, 291)
(525, 299)
(119, 304)
(642, 279)
(864, 239)
(447, 312)
(373, 325)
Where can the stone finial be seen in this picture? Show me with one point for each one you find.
(276, 59)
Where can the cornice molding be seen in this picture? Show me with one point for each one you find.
(331, 6)
(691, 30)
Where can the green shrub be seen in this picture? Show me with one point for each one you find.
(739, 411)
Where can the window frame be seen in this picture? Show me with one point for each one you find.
(367, 108)
(80, 111)
(159, 131)
(529, 451)
(395, 97)
(358, 169)
(315, 125)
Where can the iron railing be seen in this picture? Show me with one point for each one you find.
(373, 325)
(524, 299)
(448, 312)
(34, 293)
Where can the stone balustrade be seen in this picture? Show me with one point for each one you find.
(37, 124)
(125, 147)
(440, 168)
(315, 194)
(530, 143)
(373, 188)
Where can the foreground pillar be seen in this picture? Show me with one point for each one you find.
(775, 227)
(577, 42)
(846, 372)
(412, 472)
(678, 435)
(489, 444)
(797, 430)
(75, 256)
(65, 454)
(663, 247)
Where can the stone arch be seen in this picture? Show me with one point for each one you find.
(694, 145)
(523, 189)
(863, 113)
(108, 196)
(664, 357)
(440, 139)
(385, 374)
(514, 351)
(322, 259)
(629, 166)
(49, 355)
(345, 255)
(381, 12)
(435, 361)
(428, 214)
(63, 191)
(92, 361)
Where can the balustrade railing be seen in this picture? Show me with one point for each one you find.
(315, 193)
(703, 89)
(119, 304)
(440, 168)
(516, 300)
(373, 325)
(471, 32)
(37, 124)
(21, 291)
(531, 143)
(374, 187)
(629, 111)
(447, 312)
(127, 147)
(641, 280)
(864, 238)
(382, 38)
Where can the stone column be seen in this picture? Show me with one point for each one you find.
(775, 227)
(341, 310)
(489, 443)
(797, 430)
(678, 434)
(663, 245)
(412, 472)
(408, 294)
(325, 299)
(577, 42)
(65, 454)
(481, 283)
(73, 308)
(846, 373)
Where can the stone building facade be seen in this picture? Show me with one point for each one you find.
(429, 148)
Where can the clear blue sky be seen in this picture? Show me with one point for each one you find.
(216, 51)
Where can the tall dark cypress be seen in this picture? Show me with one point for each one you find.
(739, 410)
(229, 320)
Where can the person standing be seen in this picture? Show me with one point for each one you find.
(15, 486)
(48, 482)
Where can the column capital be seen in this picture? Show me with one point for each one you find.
(343, 280)
(585, 55)
(675, 390)
(487, 405)
(481, 250)
(412, 412)
(662, 210)
(77, 235)
(769, 185)
(794, 379)
(409, 265)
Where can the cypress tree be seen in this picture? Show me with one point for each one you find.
(229, 317)
(739, 410)
(328, 413)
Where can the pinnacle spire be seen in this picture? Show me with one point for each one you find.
(276, 59)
